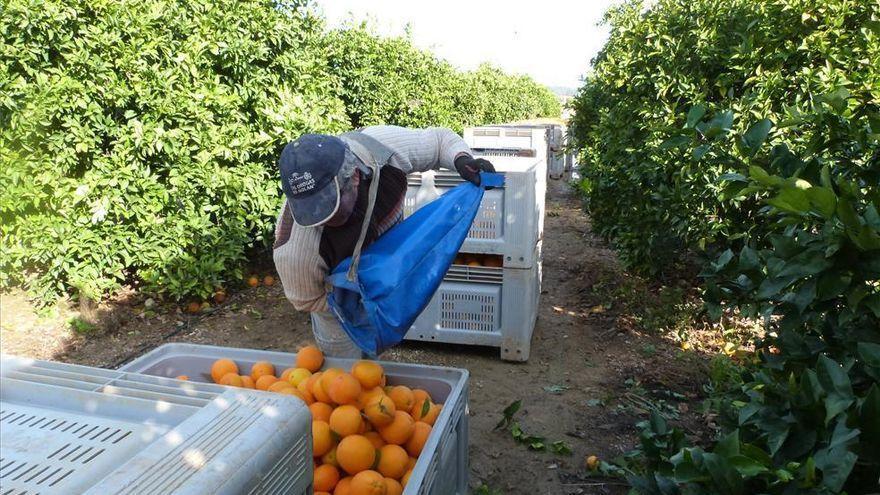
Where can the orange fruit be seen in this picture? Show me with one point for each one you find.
(368, 483)
(344, 389)
(219, 296)
(346, 420)
(327, 378)
(493, 261)
(247, 382)
(182, 377)
(411, 464)
(253, 281)
(318, 391)
(592, 463)
(355, 454)
(402, 396)
(343, 487)
(305, 391)
(292, 391)
(231, 379)
(310, 358)
(419, 395)
(405, 479)
(322, 438)
(330, 458)
(278, 386)
(261, 368)
(426, 412)
(380, 412)
(393, 487)
(369, 373)
(222, 367)
(285, 375)
(268, 280)
(392, 461)
(321, 493)
(321, 411)
(416, 442)
(369, 395)
(298, 375)
(193, 307)
(375, 438)
(325, 477)
(399, 431)
(264, 382)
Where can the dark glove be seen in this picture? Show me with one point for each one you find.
(469, 168)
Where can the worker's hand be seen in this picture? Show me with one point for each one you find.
(469, 168)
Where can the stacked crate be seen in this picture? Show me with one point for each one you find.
(492, 305)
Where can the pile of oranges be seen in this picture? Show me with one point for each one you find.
(469, 259)
(366, 434)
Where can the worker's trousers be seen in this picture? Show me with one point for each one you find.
(331, 338)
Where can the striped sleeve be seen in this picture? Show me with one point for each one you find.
(418, 150)
(299, 264)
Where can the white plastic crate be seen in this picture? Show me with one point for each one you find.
(511, 218)
(70, 429)
(487, 306)
(508, 136)
(442, 468)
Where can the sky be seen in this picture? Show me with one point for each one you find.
(551, 40)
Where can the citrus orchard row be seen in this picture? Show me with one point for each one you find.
(366, 435)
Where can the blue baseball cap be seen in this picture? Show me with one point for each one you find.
(310, 169)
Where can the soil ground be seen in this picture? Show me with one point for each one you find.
(590, 377)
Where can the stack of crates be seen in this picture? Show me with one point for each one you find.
(492, 301)
(546, 140)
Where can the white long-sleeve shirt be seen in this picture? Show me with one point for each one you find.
(300, 266)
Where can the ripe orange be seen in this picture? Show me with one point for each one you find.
(411, 464)
(592, 463)
(344, 389)
(268, 280)
(392, 461)
(290, 390)
(399, 431)
(343, 487)
(322, 438)
(403, 397)
(320, 411)
(321, 493)
(346, 420)
(264, 382)
(299, 375)
(253, 281)
(261, 368)
(305, 391)
(193, 307)
(419, 395)
(285, 375)
(182, 377)
(393, 487)
(368, 483)
(426, 412)
(247, 382)
(375, 438)
(417, 441)
(318, 391)
(327, 377)
(380, 412)
(231, 379)
(369, 373)
(330, 458)
(222, 367)
(310, 358)
(355, 454)
(278, 386)
(405, 479)
(325, 477)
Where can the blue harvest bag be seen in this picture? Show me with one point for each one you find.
(398, 274)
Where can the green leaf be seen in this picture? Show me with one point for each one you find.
(791, 200)
(869, 411)
(675, 142)
(836, 465)
(870, 354)
(823, 200)
(752, 140)
(508, 413)
(694, 115)
(701, 150)
(835, 382)
(746, 466)
(848, 216)
(560, 447)
(728, 446)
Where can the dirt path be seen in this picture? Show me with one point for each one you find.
(584, 383)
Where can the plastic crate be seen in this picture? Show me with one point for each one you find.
(71, 429)
(510, 220)
(508, 136)
(442, 468)
(494, 307)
